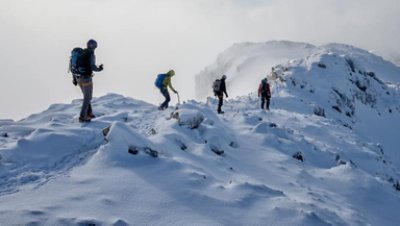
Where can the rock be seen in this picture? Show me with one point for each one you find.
(233, 144)
(321, 65)
(397, 186)
(299, 156)
(106, 131)
(273, 125)
(181, 145)
(191, 119)
(217, 150)
(319, 111)
(153, 131)
(135, 150)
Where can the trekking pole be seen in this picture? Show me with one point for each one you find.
(179, 101)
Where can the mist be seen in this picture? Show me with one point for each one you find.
(138, 39)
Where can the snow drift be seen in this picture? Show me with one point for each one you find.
(326, 154)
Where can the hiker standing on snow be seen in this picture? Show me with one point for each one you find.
(162, 82)
(274, 75)
(86, 65)
(264, 92)
(219, 90)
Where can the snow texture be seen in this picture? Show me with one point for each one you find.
(325, 154)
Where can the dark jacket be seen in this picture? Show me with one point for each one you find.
(264, 89)
(222, 88)
(87, 63)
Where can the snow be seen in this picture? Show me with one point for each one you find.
(232, 169)
(245, 64)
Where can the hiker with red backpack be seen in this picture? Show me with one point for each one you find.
(162, 82)
(82, 66)
(264, 92)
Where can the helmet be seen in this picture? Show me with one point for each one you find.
(91, 44)
(224, 77)
(171, 73)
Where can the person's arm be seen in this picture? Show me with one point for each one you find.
(259, 90)
(172, 88)
(224, 89)
(93, 64)
(169, 83)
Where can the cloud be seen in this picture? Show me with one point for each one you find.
(140, 38)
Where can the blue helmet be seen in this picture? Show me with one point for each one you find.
(91, 44)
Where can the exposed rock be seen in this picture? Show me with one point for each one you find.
(299, 156)
(217, 150)
(319, 111)
(192, 119)
(321, 65)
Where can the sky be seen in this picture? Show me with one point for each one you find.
(138, 39)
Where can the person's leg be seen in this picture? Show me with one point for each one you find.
(83, 108)
(220, 103)
(90, 111)
(87, 90)
(268, 101)
(165, 93)
(262, 102)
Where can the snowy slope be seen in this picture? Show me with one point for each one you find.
(326, 153)
(55, 171)
(245, 63)
(350, 85)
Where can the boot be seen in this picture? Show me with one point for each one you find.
(91, 116)
(84, 119)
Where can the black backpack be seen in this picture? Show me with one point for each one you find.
(73, 60)
(79, 63)
(217, 86)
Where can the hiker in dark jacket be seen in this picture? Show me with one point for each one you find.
(264, 92)
(86, 67)
(220, 94)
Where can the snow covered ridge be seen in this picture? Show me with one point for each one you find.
(247, 63)
(288, 166)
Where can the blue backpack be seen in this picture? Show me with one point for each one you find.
(160, 80)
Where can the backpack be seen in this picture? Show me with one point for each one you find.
(216, 86)
(264, 88)
(160, 80)
(80, 61)
(73, 60)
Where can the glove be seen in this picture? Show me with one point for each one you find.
(101, 67)
(226, 95)
(175, 91)
(74, 81)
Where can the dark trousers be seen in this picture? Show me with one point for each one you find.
(265, 99)
(86, 86)
(165, 93)
(220, 102)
